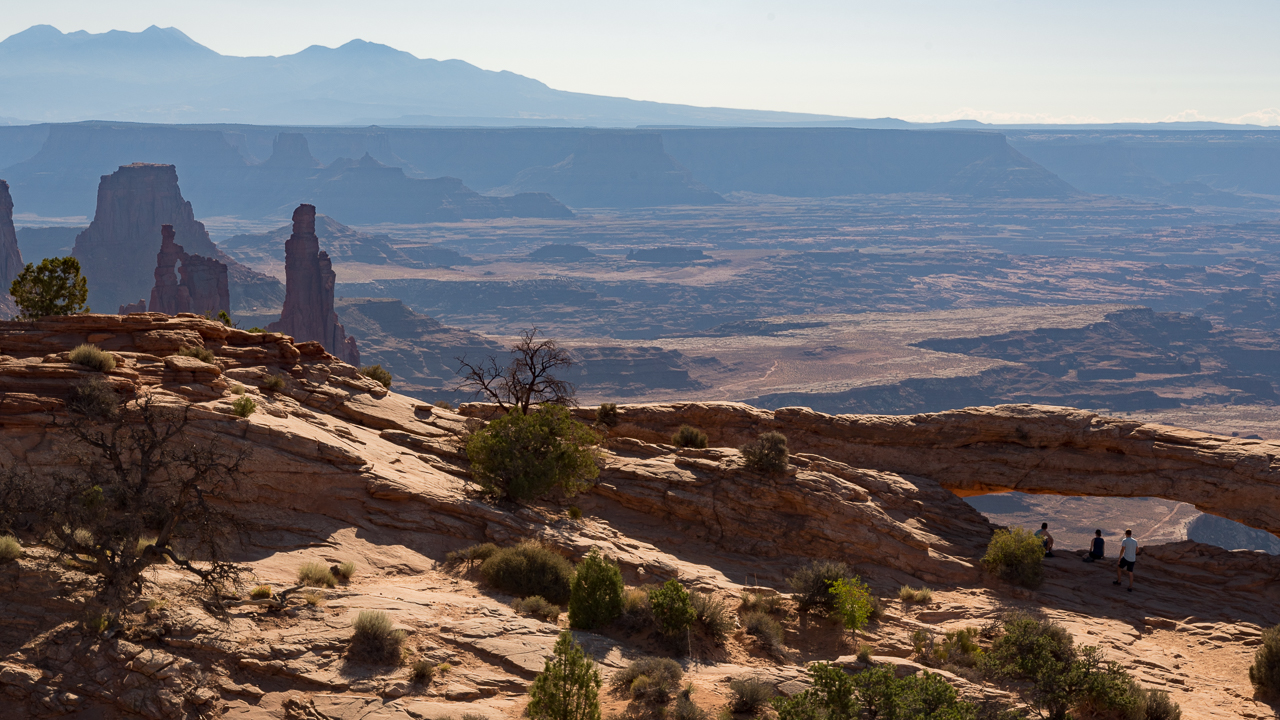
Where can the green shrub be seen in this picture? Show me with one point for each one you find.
(237, 389)
(273, 383)
(712, 616)
(199, 352)
(1063, 678)
(94, 398)
(471, 555)
(374, 641)
(1016, 556)
(443, 404)
(528, 569)
(256, 330)
(767, 453)
(537, 606)
(98, 622)
(595, 596)
(761, 602)
(1265, 671)
(54, 287)
(607, 414)
(671, 607)
(750, 695)
(316, 574)
(648, 679)
(852, 603)
(830, 697)
(525, 456)
(812, 583)
(344, 570)
(689, 437)
(958, 647)
(93, 358)
(243, 406)
(865, 652)
(10, 548)
(261, 592)
(378, 374)
(765, 629)
(908, 594)
(574, 512)
(568, 687)
(1159, 705)
(422, 671)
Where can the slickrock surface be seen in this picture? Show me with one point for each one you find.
(342, 469)
(308, 302)
(1029, 448)
(203, 288)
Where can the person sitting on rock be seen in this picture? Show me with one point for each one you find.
(1128, 558)
(1045, 539)
(1097, 551)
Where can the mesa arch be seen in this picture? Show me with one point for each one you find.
(1036, 449)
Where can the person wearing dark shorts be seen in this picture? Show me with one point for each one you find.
(1097, 551)
(1128, 558)
(1046, 540)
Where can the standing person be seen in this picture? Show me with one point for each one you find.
(1128, 557)
(1045, 539)
(1097, 551)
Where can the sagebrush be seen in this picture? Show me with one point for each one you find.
(528, 569)
(375, 640)
(92, 357)
(1016, 556)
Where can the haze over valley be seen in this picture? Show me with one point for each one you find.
(959, 326)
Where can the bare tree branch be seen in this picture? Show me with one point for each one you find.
(528, 379)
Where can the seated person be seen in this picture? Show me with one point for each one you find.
(1097, 550)
(1045, 539)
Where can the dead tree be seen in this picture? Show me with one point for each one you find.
(528, 379)
(142, 492)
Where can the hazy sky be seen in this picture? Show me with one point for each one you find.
(1029, 61)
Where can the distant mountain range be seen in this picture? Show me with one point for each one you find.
(160, 75)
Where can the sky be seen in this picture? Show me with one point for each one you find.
(921, 60)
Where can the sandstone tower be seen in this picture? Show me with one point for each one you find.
(308, 301)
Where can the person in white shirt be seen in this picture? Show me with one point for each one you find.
(1128, 558)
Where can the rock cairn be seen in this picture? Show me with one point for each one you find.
(308, 302)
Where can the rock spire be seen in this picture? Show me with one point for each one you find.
(10, 257)
(133, 202)
(203, 287)
(308, 301)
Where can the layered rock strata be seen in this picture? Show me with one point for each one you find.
(308, 302)
(1027, 448)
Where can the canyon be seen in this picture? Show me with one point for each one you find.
(345, 469)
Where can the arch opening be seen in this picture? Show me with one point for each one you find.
(1073, 519)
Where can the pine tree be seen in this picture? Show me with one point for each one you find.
(596, 594)
(569, 686)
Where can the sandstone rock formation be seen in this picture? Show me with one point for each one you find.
(1028, 448)
(133, 203)
(309, 279)
(344, 469)
(203, 288)
(10, 256)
